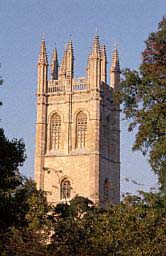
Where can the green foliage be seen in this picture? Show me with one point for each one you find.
(134, 227)
(12, 156)
(30, 227)
(75, 208)
(23, 242)
(143, 95)
(24, 224)
(23, 208)
(31, 205)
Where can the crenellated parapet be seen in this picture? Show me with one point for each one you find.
(57, 86)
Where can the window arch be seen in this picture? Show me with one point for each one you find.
(65, 189)
(55, 132)
(81, 130)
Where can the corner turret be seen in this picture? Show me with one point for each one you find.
(42, 68)
(41, 122)
(94, 64)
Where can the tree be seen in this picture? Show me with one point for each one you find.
(68, 226)
(23, 208)
(31, 205)
(136, 226)
(12, 156)
(28, 233)
(143, 95)
(24, 223)
(75, 208)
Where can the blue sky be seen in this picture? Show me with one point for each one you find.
(125, 23)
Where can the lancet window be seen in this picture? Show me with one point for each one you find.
(81, 133)
(55, 132)
(65, 190)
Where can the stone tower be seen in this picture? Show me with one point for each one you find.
(77, 129)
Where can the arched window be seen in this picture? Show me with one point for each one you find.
(106, 189)
(81, 133)
(65, 191)
(55, 132)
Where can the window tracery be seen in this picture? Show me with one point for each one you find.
(81, 133)
(55, 132)
(65, 189)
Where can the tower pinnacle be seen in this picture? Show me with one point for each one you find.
(94, 64)
(103, 52)
(43, 53)
(103, 64)
(70, 46)
(96, 45)
(54, 65)
(115, 67)
(115, 70)
(69, 60)
(62, 69)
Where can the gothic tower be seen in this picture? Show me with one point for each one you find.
(77, 129)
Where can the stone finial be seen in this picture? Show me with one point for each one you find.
(54, 65)
(54, 55)
(63, 64)
(96, 45)
(103, 64)
(115, 70)
(69, 60)
(89, 56)
(43, 53)
(103, 52)
(115, 66)
(70, 46)
(69, 53)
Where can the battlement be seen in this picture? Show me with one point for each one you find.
(55, 86)
(79, 84)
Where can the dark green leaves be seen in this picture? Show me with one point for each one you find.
(143, 95)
